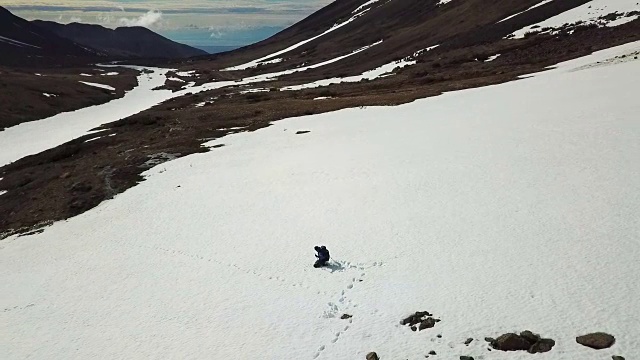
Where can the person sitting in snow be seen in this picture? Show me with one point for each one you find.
(322, 255)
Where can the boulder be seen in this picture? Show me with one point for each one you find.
(616, 357)
(428, 323)
(466, 358)
(468, 341)
(511, 342)
(530, 337)
(542, 346)
(598, 340)
(372, 356)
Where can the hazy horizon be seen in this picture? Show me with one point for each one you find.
(198, 23)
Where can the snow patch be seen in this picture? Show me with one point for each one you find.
(588, 13)
(256, 90)
(175, 79)
(442, 2)
(367, 75)
(187, 73)
(492, 57)
(419, 52)
(323, 98)
(254, 63)
(49, 95)
(359, 8)
(2, 192)
(524, 11)
(102, 86)
(87, 75)
(16, 42)
(110, 74)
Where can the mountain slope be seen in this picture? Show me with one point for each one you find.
(407, 26)
(124, 42)
(25, 44)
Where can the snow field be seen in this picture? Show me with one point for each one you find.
(502, 216)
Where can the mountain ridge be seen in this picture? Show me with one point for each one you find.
(122, 42)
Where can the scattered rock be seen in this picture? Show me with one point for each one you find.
(466, 358)
(526, 341)
(598, 340)
(81, 187)
(424, 318)
(372, 356)
(439, 336)
(468, 341)
(414, 328)
(217, 146)
(346, 316)
(302, 132)
(432, 352)
(616, 357)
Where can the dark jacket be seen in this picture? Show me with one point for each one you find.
(323, 253)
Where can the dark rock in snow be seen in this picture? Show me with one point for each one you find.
(542, 346)
(421, 317)
(302, 132)
(372, 356)
(526, 341)
(510, 342)
(346, 316)
(596, 340)
(439, 336)
(468, 341)
(428, 323)
(432, 352)
(414, 328)
(466, 358)
(529, 336)
(616, 357)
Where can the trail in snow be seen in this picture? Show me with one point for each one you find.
(503, 215)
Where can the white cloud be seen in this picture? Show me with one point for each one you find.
(146, 20)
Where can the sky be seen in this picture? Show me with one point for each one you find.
(193, 22)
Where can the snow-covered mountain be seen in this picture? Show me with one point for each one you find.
(457, 214)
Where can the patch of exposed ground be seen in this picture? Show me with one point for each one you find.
(27, 95)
